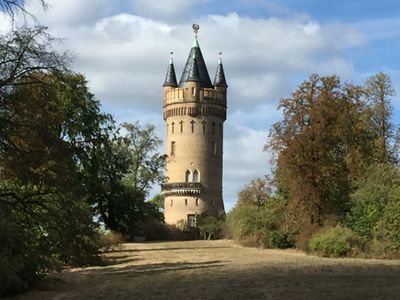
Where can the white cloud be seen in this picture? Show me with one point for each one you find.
(172, 10)
(125, 56)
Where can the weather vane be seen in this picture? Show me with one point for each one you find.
(196, 28)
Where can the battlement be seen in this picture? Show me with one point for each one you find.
(191, 94)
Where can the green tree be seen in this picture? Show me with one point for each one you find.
(49, 124)
(120, 176)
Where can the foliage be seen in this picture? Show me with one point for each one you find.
(280, 239)
(379, 90)
(210, 227)
(49, 123)
(375, 209)
(256, 192)
(254, 225)
(317, 152)
(119, 175)
(334, 242)
(41, 230)
(110, 240)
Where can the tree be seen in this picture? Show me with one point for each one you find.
(50, 122)
(257, 192)
(379, 90)
(322, 140)
(11, 7)
(42, 200)
(120, 176)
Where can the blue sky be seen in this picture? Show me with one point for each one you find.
(269, 47)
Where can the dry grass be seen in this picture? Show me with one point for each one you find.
(222, 270)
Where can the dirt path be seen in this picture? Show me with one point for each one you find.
(221, 270)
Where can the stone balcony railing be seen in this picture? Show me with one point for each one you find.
(181, 188)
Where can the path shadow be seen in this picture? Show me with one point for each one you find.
(162, 249)
(153, 268)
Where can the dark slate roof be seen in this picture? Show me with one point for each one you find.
(220, 76)
(170, 79)
(196, 57)
(193, 71)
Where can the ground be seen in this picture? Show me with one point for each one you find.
(221, 270)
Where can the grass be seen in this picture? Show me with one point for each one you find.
(221, 270)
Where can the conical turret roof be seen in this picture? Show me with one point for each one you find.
(220, 80)
(170, 78)
(193, 71)
(196, 58)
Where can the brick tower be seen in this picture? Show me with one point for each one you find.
(194, 111)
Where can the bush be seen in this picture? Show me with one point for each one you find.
(334, 242)
(281, 240)
(111, 239)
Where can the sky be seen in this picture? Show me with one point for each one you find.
(269, 47)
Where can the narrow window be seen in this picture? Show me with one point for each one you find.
(193, 91)
(191, 221)
(187, 176)
(181, 123)
(214, 148)
(197, 201)
(212, 127)
(196, 176)
(172, 127)
(186, 202)
(204, 126)
(192, 123)
(172, 148)
(213, 203)
(172, 202)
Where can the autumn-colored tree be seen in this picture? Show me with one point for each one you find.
(256, 192)
(319, 144)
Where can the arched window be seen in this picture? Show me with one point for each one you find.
(172, 127)
(196, 176)
(181, 123)
(204, 126)
(187, 176)
(212, 127)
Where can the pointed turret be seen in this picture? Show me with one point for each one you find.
(196, 58)
(220, 80)
(170, 78)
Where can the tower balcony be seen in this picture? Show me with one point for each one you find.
(181, 189)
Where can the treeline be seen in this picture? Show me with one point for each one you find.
(335, 188)
(65, 167)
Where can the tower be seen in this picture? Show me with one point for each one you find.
(194, 111)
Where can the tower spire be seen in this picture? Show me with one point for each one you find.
(220, 80)
(170, 78)
(196, 57)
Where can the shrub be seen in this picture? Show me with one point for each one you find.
(281, 240)
(334, 242)
(111, 239)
